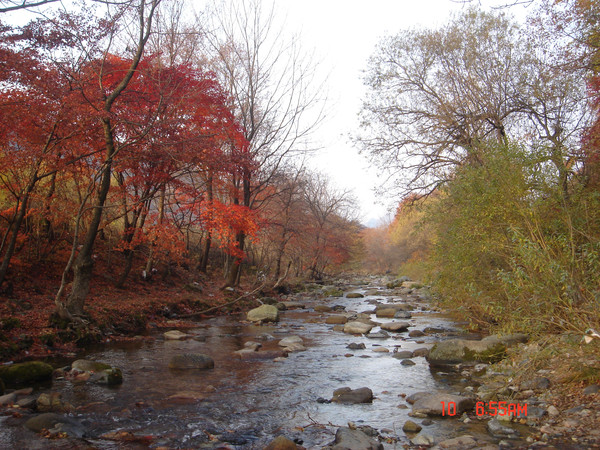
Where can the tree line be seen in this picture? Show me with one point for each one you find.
(137, 136)
(491, 127)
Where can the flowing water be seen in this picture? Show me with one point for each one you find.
(246, 403)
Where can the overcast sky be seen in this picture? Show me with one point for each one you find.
(344, 34)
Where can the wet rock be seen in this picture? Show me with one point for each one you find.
(289, 340)
(282, 443)
(421, 351)
(402, 315)
(381, 350)
(433, 404)
(373, 292)
(333, 292)
(459, 443)
(415, 333)
(357, 328)
(27, 372)
(28, 402)
(354, 295)
(110, 377)
(56, 422)
(336, 320)
(280, 306)
(356, 346)
(51, 402)
(592, 389)
(347, 395)
(294, 347)
(192, 361)
(379, 335)
(535, 384)
(403, 354)
(338, 308)
(8, 399)
(411, 427)
(322, 308)
(412, 398)
(293, 305)
(264, 313)
(396, 327)
(422, 440)
(386, 312)
(454, 351)
(175, 335)
(498, 430)
(426, 422)
(347, 439)
(251, 345)
(263, 355)
(86, 365)
(407, 362)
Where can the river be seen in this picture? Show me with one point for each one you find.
(245, 404)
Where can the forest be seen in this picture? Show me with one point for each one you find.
(144, 149)
(490, 128)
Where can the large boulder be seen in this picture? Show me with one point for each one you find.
(264, 313)
(347, 395)
(348, 439)
(27, 372)
(357, 328)
(191, 361)
(454, 351)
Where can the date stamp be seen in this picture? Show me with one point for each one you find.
(490, 408)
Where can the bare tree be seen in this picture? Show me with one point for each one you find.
(272, 88)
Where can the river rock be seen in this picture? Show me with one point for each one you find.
(347, 395)
(395, 326)
(415, 333)
(373, 292)
(322, 308)
(422, 440)
(403, 354)
(357, 328)
(54, 423)
(86, 365)
(251, 345)
(192, 361)
(411, 427)
(289, 340)
(8, 399)
(535, 384)
(27, 372)
(347, 439)
(356, 346)
(264, 313)
(408, 362)
(421, 351)
(379, 335)
(381, 350)
(336, 319)
(591, 389)
(354, 295)
(459, 443)
(431, 404)
(281, 443)
(51, 402)
(402, 315)
(175, 335)
(453, 351)
(110, 377)
(385, 312)
(498, 430)
(263, 355)
(293, 305)
(332, 292)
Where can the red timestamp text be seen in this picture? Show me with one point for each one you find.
(489, 409)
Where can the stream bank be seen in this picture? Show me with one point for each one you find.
(254, 394)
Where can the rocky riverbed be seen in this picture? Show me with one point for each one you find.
(351, 364)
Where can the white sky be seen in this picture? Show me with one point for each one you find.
(344, 34)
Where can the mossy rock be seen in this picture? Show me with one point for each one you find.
(354, 295)
(454, 351)
(111, 377)
(89, 366)
(333, 292)
(27, 372)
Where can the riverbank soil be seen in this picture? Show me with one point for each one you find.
(28, 330)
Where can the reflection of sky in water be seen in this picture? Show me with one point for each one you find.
(256, 400)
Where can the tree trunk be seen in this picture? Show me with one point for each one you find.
(208, 241)
(84, 264)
